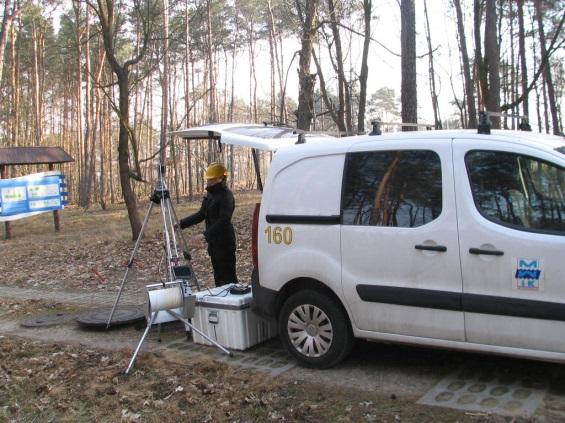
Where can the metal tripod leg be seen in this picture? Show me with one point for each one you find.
(147, 329)
(183, 240)
(187, 323)
(130, 263)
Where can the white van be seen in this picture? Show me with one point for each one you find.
(441, 238)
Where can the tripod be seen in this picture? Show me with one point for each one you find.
(181, 301)
(161, 197)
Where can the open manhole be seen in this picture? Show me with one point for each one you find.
(46, 320)
(123, 315)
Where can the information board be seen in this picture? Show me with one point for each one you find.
(32, 194)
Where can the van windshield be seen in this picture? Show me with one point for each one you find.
(561, 149)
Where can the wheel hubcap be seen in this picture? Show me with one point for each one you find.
(310, 330)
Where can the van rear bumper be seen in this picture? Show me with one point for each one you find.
(264, 299)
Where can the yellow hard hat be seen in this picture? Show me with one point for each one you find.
(215, 171)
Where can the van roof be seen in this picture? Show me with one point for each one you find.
(273, 138)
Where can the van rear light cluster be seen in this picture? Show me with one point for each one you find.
(254, 234)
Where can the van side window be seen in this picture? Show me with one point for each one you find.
(518, 191)
(392, 188)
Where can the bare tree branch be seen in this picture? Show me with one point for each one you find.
(544, 62)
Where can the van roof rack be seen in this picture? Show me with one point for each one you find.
(484, 125)
(377, 126)
(276, 123)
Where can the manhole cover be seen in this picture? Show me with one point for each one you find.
(45, 320)
(124, 315)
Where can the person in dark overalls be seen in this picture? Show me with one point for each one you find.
(216, 210)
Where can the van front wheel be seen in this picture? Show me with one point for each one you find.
(315, 329)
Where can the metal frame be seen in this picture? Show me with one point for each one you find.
(161, 197)
(152, 318)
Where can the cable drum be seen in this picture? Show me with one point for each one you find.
(168, 298)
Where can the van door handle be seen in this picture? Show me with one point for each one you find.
(439, 248)
(486, 252)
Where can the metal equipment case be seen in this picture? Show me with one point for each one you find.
(228, 319)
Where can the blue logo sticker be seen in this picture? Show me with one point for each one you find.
(528, 274)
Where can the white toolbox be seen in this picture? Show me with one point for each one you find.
(228, 319)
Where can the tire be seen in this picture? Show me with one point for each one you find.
(315, 329)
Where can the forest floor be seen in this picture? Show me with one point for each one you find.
(43, 378)
(91, 251)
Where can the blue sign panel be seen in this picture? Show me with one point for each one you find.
(32, 194)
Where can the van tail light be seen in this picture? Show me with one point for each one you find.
(254, 234)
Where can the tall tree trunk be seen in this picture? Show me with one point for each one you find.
(212, 115)
(91, 111)
(10, 14)
(79, 99)
(124, 153)
(273, 105)
(492, 60)
(545, 105)
(522, 54)
(279, 73)
(187, 95)
(15, 89)
(89, 159)
(108, 21)
(110, 144)
(408, 62)
(37, 72)
(513, 86)
(164, 84)
(547, 70)
(103, 141)
(469, 85)
(306, 80)
(432, 76)
(480, 68)
(253, 76)
(364, 74)
(344, 110)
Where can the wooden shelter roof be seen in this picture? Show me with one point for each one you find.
(33, 155)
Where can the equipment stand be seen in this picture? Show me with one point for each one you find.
(161, 197)
(186, 323)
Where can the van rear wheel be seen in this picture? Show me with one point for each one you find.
(315, 329)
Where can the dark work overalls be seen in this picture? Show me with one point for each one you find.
(216, 210)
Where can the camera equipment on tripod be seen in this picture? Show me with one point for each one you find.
(172, 235)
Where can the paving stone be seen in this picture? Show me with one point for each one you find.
(271, 359)
(488, 392)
